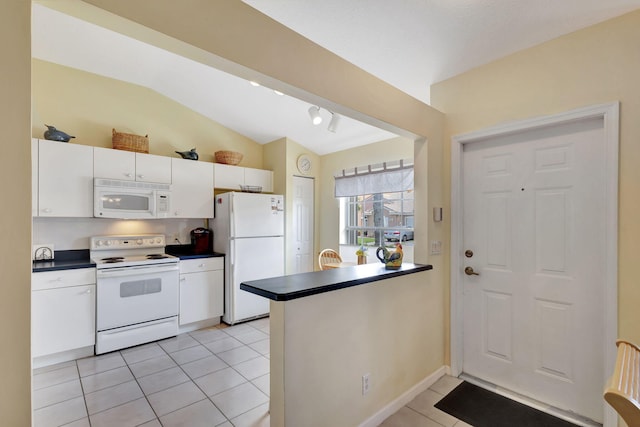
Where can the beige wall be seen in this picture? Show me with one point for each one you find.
(281, 156)
(15, 221)
(596, 65)
(329, 221)
(89, 106)
(389, 329)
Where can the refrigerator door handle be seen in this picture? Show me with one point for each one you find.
(232, 247)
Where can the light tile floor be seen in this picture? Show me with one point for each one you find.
(217, 376)
(420, 412)
(211, 377)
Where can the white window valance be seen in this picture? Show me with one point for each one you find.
(387, 177)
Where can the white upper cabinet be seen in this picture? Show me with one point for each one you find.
(228, 177)
(65, 179)
(114, 164)
(192, 189)
(127, 165)
(152, 168)
(259, 177)
(34, 177)
(232, 177)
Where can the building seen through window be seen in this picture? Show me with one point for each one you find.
(373, 220)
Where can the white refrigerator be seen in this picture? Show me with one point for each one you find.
(249, 229)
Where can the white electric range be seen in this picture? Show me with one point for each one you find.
(136, 290)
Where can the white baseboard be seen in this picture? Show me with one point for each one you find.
(406, 397)
(65, 356)
(190, 327)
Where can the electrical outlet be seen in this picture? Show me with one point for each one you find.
(366, 383)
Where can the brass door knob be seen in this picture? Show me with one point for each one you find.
(469, 271)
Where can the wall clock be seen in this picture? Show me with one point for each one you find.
(304, 164)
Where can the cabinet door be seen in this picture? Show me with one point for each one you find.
(201, 296)
(260, 177)
(34, 177)
(227, 176)
(191, 189)
(152, 168)
(65, 179)
(114, 164)
(62, 319)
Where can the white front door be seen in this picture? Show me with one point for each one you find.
(302, 236)
(534, 225)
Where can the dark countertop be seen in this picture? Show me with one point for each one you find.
(65, 260)
(301, 285)
(186, 252)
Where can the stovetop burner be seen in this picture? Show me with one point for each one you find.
(157, 256)
(113, 259)
(129, 251)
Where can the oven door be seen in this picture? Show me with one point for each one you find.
(131, 295)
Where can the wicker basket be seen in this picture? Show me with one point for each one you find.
(130, 142)
(228, 157)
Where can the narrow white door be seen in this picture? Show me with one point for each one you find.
(534, 227)
(302, 225)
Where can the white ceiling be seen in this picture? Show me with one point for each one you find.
(408, 43)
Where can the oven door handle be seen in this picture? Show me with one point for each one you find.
(135, 271)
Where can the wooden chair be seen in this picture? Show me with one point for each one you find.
(623, 389)
(328, 255)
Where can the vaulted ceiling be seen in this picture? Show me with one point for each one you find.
(408, 43)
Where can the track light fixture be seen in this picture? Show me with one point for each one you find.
(314, 113)
(333, 124)
(316, 118)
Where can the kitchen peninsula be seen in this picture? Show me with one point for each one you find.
(347, 343)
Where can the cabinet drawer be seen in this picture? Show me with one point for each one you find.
(62, 278)
(201, 264)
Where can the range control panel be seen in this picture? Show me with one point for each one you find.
(126, 242)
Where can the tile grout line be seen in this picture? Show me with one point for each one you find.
(84, 396)
(143, 393)
(192, 380)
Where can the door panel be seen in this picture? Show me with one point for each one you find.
(303, 220)
(534, 217)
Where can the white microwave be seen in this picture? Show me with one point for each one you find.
(130, 199)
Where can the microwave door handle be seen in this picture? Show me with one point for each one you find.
(153, 204)
(135, 271)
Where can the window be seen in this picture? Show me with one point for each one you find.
(376, 208)
(377, 219)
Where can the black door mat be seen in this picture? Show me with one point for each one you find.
(482, 408)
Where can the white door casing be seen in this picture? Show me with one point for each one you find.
(303, 223)
(539, 185)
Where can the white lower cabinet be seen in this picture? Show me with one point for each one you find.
(63, 311)
(201, 289)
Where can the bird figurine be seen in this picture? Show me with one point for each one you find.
(53, 134)
(189, 155)
(391, 260)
